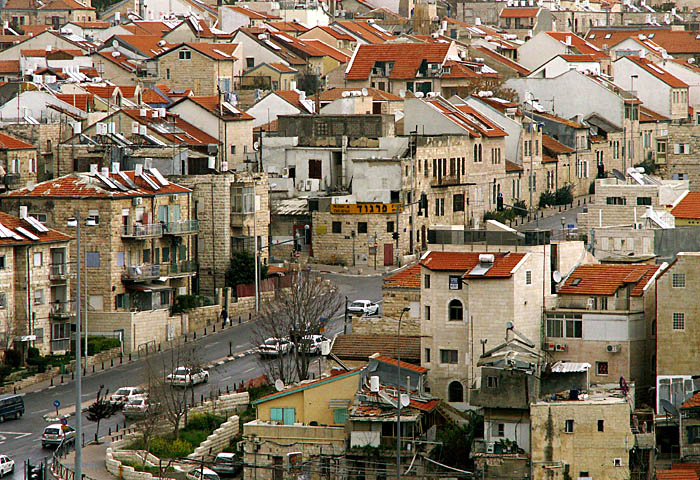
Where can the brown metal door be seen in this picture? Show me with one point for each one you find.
(388, 254)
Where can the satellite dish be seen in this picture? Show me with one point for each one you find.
(619, 175)
(669, 407)
(115, 44)
(256, 146)
(556, 276)
(405, 400)
(364, 92)
(279, 385)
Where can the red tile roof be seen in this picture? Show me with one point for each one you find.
(148, 45)
(692, 402)
(404, 365)
(217, 51)
(9, 66)
(677, 474)
(466, 70)
(582, 46)
(11, 222)
(427, 405)
(647, 115)
(102, 91)
(128, 91)
(503, 264)
(81, 101)
(84, 185)
(504, 60)
(190, 135)
(151, 96)
(607, 279)
(485, 126)
(148, 28)
(292, 97)
(91, 24)
(328, 50)
(408, 277)
(688, 207)
(282, 68)
(513, 167)
(554, 146)
(518, 12)
(407, 58)
(366, 31)
(656, 71)
(252, 14)
(335, 33)
(65, 5)
(376, 94)
(686, 466)
(358, 347)
(11, 143)
(41, 52)
(580, 58)
(211, 104)
(289, 27)
(467, 118)
(673, 41)
(121, 60)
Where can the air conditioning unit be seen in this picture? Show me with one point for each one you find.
(135, 127)
(224, 166)
(285, 172)
(550, 347)
(612, 348)
(591, 304)
(638, 225)
(560, 347)
(137, 201)
(489, 447)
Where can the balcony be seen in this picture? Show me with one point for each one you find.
(446, 181)
(143, 273)
(58, 272)
(142, 232)
(599, 304)
(60, 345)
(238, 219)
(185, 227)
(61, 310)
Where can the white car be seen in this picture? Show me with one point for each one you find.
(136, 407)
(56, 434)
(274, 347)
(363, 307)
(187, 376)
(7, 465)
(312, 344)
(124, 394)
(202, 474)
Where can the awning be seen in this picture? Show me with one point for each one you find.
(148, 287)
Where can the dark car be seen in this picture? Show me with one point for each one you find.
(227, 464)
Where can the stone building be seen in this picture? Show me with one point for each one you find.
(46, 138)
(230, 208)
(605, 315)
(138, 245)
(400, 290)
(35, 303)
(680, 151)
(18, 161)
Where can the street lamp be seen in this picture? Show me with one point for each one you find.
(74, 222)
(398, 396)
(563, 223)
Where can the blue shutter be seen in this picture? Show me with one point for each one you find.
(276, 415)
(340, 415)
(289, 416)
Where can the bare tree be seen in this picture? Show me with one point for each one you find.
(101, 410)
(10, 329)
(295, 313)
(172, 401)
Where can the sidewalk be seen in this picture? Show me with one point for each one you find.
(93, 460)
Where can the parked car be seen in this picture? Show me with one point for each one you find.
(363, 307)
(57, 433)
(273, 347)
(187, 376)
(11, 406)
(137, 407)
(202, 474)
(7, 465)
(124, 394)
(312, 343)
(227, 464)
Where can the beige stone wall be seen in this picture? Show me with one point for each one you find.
(200, 73)
(46, 138)
(585, 449)
(395, 298)
(21, 165)
(8, 321)
(140, 328)
(385, 325)
(203, 317)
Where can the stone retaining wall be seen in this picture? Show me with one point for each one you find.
(219, 439)
(223, 405)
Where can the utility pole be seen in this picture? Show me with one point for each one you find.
(345, 317)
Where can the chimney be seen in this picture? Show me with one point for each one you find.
(105, 171)
(22, 212)
(568, 40)
(115, 167)
(93, 168)
(139, 169)
(48, 48)
(221, 103)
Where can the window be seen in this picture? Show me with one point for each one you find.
(389, 227)
(337, 227)
(574, 328)
(426, 281)
(448, 356)
(361, 227)
(643, 200)
(455, 282)
(499, 429)
(38, 259)
(321, 129)
(167, 73)
(492, 382)
(39, 216)
(427, 355)
(243, 199)
(617, 462)
(284, 416)
(92, 259)
(233, 149)
(615, 201)
(456, 311)
(661, 147)
(39, 296)
(315, 169)
(166, 254)
(427, 312)
(678, 321)
(458, 202)
(569, 426)
(95, 215)
(60, 331)
(340, 415)
(601, 425)
(121, 301)
(601, 368)
(3, 300)
(693, 433)
(249, 62)
(681, 148)
(455, 392)
(528, 277)
(2, 262)
(555, 327)
(185, 55)
(678, 280)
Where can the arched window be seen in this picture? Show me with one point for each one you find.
(476, 153)
(455, 392)
(456, 311)
(480, 151)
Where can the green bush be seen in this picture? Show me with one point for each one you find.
(33, 352)
(563, 196)
(163, 447)
(204, 421)
(546, 199)
(183, 303)
(100, 344)
(519, 208)
(13, 358)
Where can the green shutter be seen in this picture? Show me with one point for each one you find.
(340, 415)
(275, 414)
(289, 416)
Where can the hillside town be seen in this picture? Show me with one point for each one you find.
(349, 239)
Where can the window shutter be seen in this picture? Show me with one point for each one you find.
(686, 150)
(676, 148)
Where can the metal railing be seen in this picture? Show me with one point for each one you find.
(142, 231)
(58, 271)
(61, 309)
(187, 267)
(182, 228)
(141, 272)
(60, 344)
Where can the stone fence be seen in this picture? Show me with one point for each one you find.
(223, 405)
(219, 439)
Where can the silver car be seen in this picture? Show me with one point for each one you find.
(57, 433)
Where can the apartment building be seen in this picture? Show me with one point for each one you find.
(18, 161)
(137, 246)
(35, 306)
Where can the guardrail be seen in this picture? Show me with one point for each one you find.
(182, 228)
(138, 231)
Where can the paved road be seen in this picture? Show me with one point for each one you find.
(21, 438)
(553, 222)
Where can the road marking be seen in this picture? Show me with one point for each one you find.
(42, 411)
(249, 369)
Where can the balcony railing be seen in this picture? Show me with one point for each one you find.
(140, 273)
(60, 309)
(60, 344)
(184, 227)
(592, 303)
(139, 231)
(445, 181)
(58, 271)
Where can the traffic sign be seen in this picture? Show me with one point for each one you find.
(64, 421)
(56, 403)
